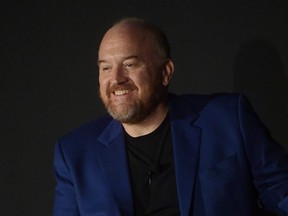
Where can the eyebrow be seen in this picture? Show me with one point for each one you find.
(123, 59)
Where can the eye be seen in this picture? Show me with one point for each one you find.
(129, 65)
(105, 68)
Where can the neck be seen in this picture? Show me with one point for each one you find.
(149, 124)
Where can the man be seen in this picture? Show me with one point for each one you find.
(161, 154)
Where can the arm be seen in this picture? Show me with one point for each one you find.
(269, 162)
(65, 202)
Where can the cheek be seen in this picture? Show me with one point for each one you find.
(141, 79)
(103, 87)
(142, 84)
(147, 85)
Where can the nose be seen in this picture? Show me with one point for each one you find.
(118, 76)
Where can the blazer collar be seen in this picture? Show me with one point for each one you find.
(186, 143)
(186, 139)
(110, 133)
(113, 159)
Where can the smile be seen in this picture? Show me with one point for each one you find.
(121, 92)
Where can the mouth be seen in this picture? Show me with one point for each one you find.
(120, 92)
(123, 90)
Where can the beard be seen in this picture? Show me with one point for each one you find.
(135, 110)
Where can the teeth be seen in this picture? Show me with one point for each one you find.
(121, 92)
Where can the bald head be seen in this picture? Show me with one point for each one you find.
(137, 28)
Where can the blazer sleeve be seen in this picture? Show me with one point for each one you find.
(268, 160)
(65, 202)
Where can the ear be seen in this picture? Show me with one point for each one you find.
(167, 72)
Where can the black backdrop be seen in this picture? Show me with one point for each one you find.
(49, 80)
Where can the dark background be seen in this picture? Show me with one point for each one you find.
(49, 75)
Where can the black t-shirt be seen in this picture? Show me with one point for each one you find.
(152, 172)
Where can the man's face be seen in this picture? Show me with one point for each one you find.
(130, 74)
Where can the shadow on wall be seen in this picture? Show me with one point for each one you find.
(260, 75)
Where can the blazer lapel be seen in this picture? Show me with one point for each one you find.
(114, 162)
(186, 143)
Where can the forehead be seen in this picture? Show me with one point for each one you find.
(128, 30)
(126, 37)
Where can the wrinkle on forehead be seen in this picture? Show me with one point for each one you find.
(125, 30)
(127, 36)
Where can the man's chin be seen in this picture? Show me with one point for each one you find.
(129, 113)
(125, 115)
(123, 118)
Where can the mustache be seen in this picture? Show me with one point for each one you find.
(119, 87)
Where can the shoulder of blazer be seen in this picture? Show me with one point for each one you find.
(86, 132)
(197, 102)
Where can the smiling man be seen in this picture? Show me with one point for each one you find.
(134, 73)
(159, 154)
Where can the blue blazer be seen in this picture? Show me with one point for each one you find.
(226, 163)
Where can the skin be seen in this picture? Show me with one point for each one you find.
(133, 78)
